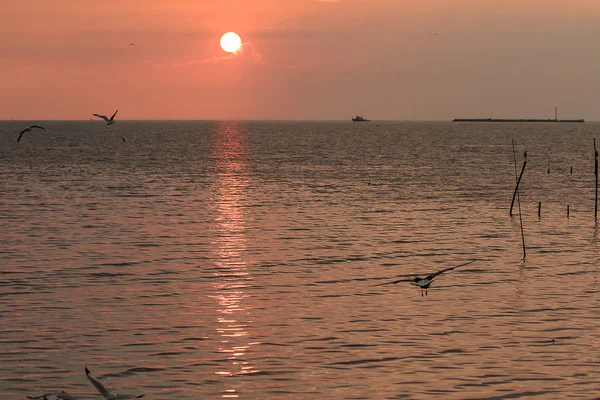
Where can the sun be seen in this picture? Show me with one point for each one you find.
(231, 42)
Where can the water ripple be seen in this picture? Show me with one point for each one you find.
(213, 260)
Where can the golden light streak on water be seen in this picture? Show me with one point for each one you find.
(229, 293)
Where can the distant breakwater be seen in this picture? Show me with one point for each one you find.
(514, 120)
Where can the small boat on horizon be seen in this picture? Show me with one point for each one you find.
(358, 118)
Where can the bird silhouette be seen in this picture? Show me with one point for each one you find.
(27, 130)
(424, 283)
(104, 392)
(109, 121)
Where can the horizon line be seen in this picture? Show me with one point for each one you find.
(236, 120)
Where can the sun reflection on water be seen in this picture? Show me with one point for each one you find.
(231, 245)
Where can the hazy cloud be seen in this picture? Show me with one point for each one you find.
(246, 52)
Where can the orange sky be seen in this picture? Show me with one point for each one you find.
(302, 59)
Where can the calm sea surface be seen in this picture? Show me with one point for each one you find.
(207, 260)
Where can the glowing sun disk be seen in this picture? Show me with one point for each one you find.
(231, 42)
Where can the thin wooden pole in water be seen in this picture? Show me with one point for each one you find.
(518, 179)
(596, 173)
(516, 192)
(540, 210)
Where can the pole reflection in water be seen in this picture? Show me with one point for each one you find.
(231, 244)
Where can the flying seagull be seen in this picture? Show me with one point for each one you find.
(131, 44)
(54, 396)
(104, 117)
(27, 130)
(424, 283)
(104, 392)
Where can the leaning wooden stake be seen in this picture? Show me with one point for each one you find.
(518, 197)
(516, 192)
(519, 204)
(596, 173)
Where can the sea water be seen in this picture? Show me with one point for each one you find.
(197, 260)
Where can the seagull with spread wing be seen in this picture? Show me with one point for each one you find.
(104, 392)
(27, 130)
(109, 121)
(424, 283)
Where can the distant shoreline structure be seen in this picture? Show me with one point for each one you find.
(518, 119)
(514, 120)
